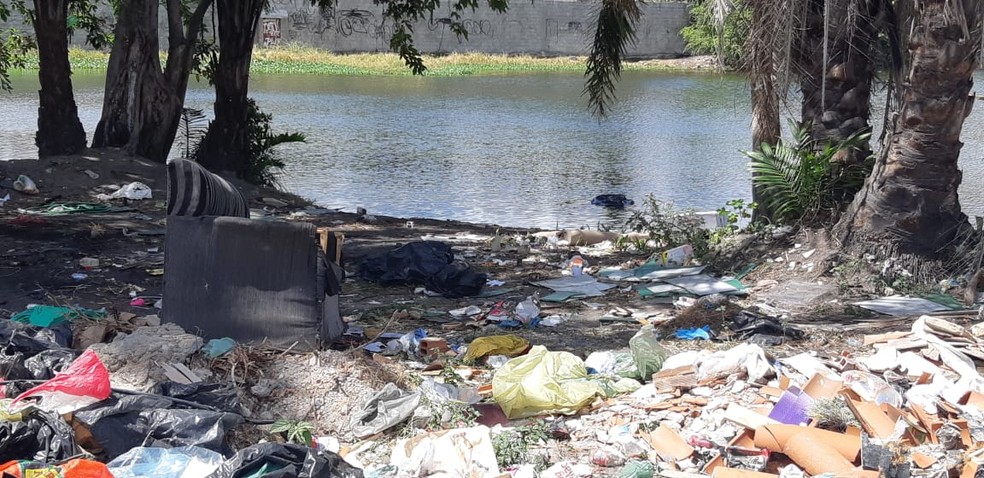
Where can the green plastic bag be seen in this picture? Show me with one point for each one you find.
(543, 382)
(613, 388)
(647, 353)
(637, 469)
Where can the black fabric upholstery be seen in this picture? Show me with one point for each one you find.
(251, 281)
(194, 191)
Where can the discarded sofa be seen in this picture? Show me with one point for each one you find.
(250, 280)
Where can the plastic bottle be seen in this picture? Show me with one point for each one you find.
(607, 457)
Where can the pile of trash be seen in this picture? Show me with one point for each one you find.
(62, 404)
(157, 401)
(914, 406)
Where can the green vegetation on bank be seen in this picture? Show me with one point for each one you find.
(296, 59)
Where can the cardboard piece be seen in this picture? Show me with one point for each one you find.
(872, 418)
(815, 456)
(883, 338)
(809, 365)
(923, 460)
(973, 398)
(821, 387)
(680, 378)
(928, 422)
(715, 463)
(775, 437)
(668, 444)
(747, 418)
(771, 391)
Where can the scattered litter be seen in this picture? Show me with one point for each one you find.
(84, 382)
(577, 286)
(134, 191)
(901, 306)
(383, 411)
(216, 348)
(543, 382)
(49, 315)
(25, 185)
(179, 462)
(694, 333)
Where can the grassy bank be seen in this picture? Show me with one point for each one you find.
(294, 59)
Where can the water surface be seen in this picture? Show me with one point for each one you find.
(518, 150)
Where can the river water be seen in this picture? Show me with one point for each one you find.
(517, 150)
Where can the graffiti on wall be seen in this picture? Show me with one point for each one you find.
(299, 19)
(271, 31)
(554, 28)
(473, 27)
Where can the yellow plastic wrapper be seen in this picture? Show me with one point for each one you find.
(508, 345)
(543, 382)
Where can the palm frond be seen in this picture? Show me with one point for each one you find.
(614, 33)
(191, 129)
(282, 138)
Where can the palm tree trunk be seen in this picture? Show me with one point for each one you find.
(910, 199)
(762, 76)
(59, 129)
(837, 95)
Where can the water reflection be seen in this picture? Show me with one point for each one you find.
(512, 150)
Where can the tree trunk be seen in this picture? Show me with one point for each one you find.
(765, 100)
(910, 200)
(59, 129)
(142, 106)
(226, 144)
(837, 96)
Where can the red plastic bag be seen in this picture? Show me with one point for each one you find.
(77, 468)
(84, 382)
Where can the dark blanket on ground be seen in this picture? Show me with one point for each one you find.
(428, 263)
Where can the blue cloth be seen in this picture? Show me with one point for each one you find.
(216, 348)
(694, 333)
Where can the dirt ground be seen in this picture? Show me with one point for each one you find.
(40, 254)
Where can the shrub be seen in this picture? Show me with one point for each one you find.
(799, 180)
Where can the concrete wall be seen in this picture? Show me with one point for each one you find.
(543, 27)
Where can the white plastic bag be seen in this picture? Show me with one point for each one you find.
(134, 190)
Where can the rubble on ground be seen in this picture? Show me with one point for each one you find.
(689, 373)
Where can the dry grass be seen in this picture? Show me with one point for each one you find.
(298, 59)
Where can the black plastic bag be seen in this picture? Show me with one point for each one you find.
(45, 364)
(41, 436)
(429, 263)
(411, 263)
(457, 280)
(286, 461)
(762, 330)
(27, 355)
(119, 424)
(215, 395)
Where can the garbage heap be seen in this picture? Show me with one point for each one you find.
(912, 404)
